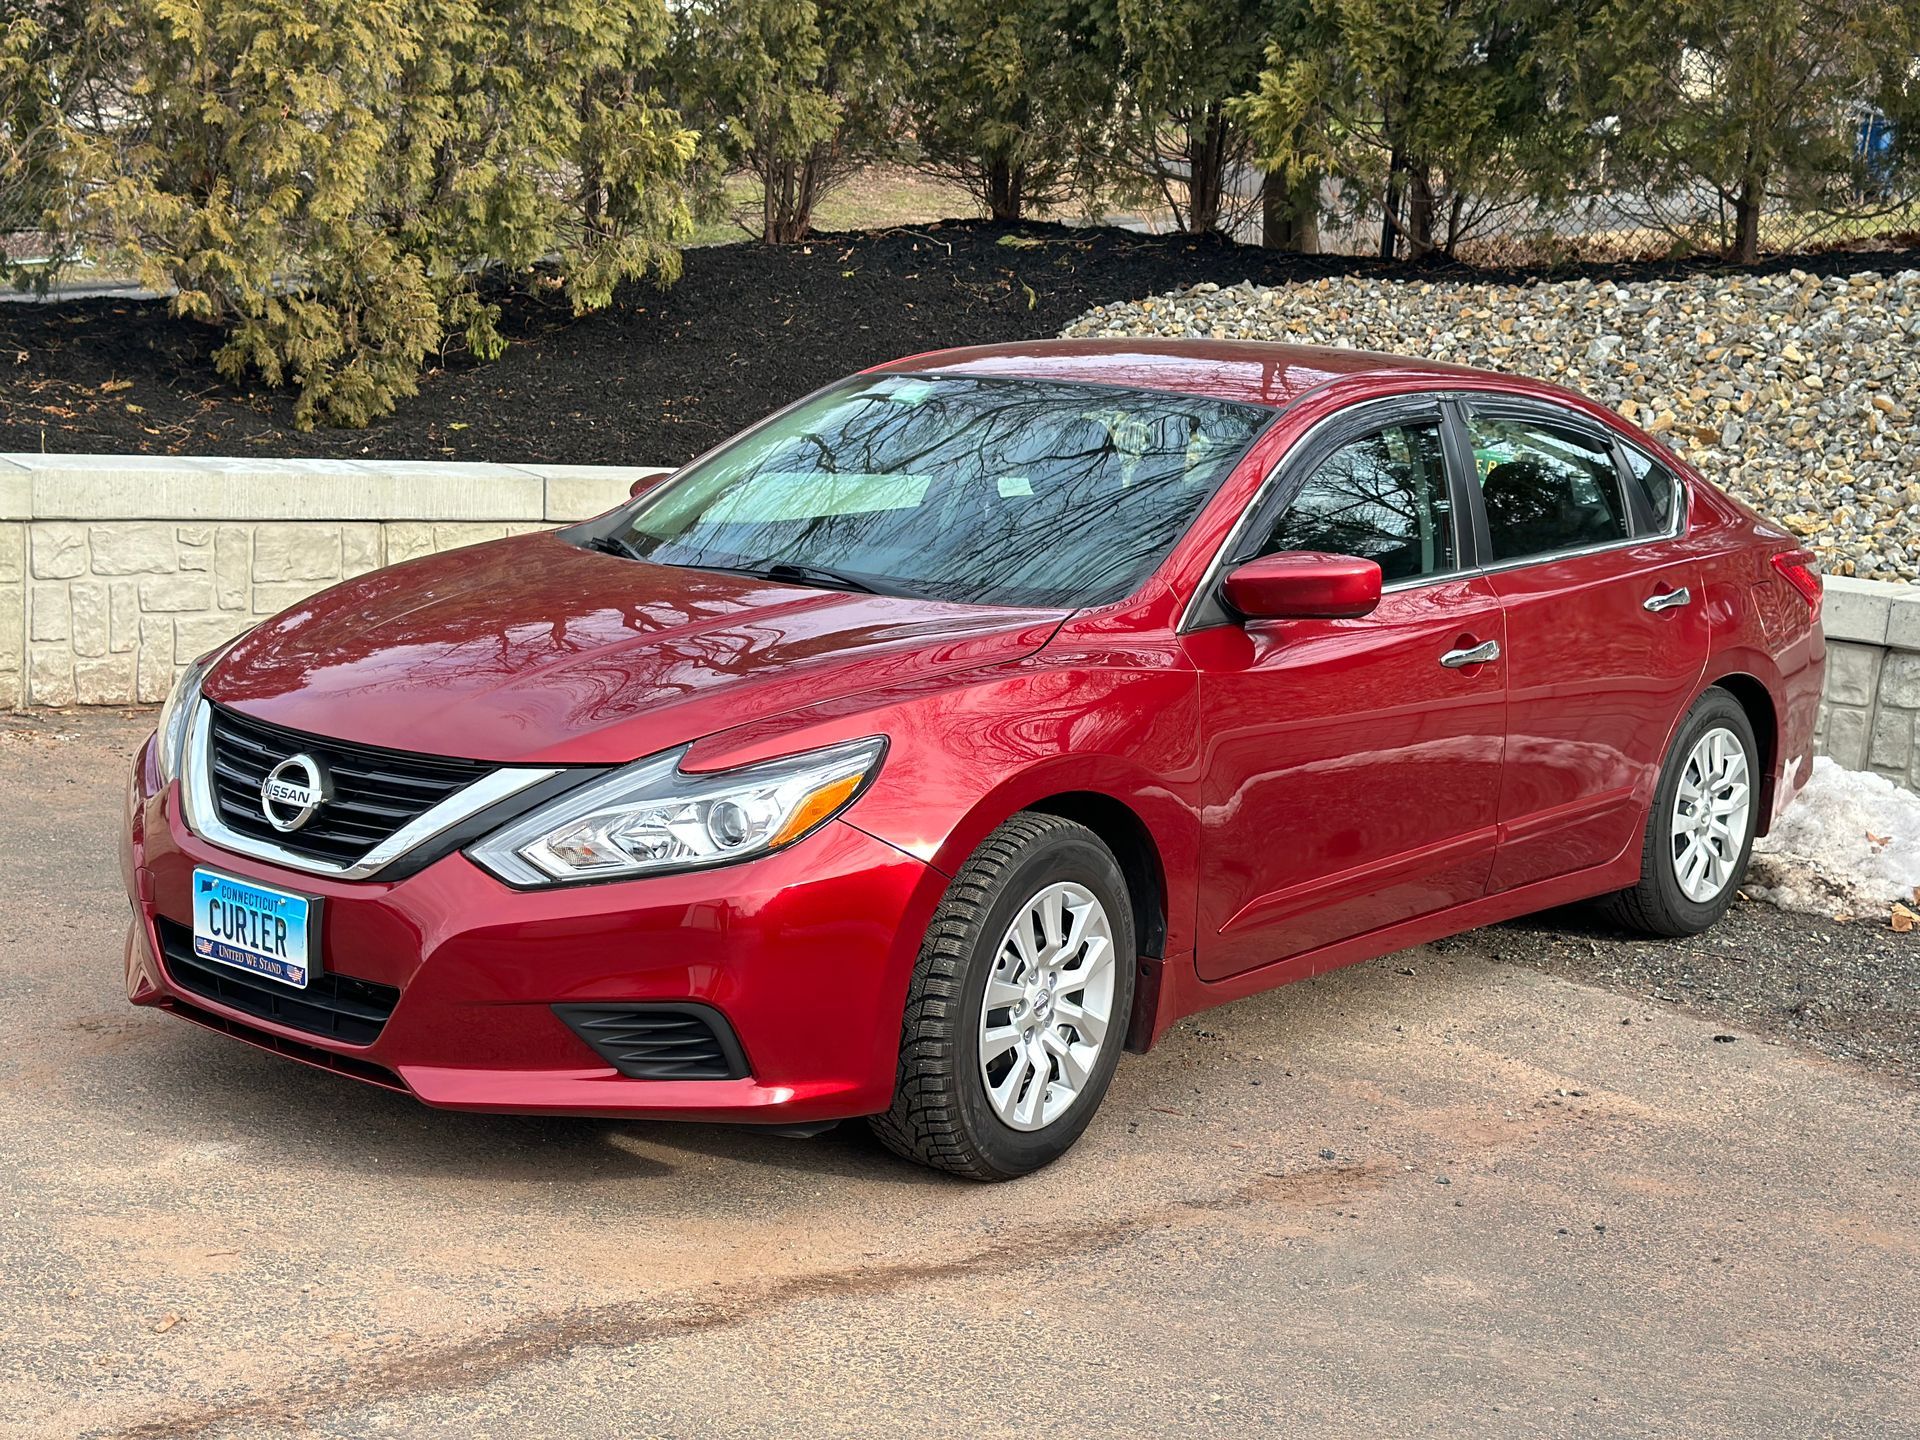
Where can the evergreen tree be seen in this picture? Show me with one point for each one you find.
(40, 42)
(802, 93)
(1724, 107)
(1010, 100)
(334, 182)
(1181, 64)
(1434, 110)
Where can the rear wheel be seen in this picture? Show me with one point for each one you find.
(1700, 831)
(1018, 1005)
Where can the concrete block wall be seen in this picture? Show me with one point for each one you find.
(1872, 701)
(117, 570)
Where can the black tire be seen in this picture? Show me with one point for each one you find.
(1658, 905)
(942, 1115)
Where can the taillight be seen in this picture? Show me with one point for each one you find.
(1796, 568)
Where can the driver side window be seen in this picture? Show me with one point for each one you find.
(1383, 497)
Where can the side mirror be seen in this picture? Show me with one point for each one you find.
(647, 481)
(1304, 585)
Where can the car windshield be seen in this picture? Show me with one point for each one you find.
(982, 491)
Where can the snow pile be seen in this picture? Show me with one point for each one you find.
(1848, 845)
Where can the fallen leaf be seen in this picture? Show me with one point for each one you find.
(1903, 918)
(1879, 842)
(113, 387)
(166, 1324)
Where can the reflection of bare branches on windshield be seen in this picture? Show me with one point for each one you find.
(980, 490)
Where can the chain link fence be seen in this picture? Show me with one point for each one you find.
(1873, 202)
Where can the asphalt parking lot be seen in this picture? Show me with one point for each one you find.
(1435, 1195)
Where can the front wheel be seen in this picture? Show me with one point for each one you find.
(1018, 1005)
(1700, 833)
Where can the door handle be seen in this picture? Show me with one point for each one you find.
(1668, 601)
(1478, 655)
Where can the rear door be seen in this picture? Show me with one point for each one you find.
(1606, 630)
(1353, 766)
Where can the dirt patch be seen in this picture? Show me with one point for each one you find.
(659, 375)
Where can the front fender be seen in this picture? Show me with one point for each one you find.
(964, 756)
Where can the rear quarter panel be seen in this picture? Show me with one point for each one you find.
(1762, 629)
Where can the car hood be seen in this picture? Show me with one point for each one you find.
(532, 650)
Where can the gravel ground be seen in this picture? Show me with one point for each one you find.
(1797, 392)
(1851, 990)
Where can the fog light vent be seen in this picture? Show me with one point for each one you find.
(679, 1041)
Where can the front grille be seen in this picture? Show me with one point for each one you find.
(682, 1041)
(349, 1065)
(337, 1007)
(374, 792)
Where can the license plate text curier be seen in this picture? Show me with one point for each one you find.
(252, 927)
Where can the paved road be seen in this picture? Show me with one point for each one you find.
(1430, 1196)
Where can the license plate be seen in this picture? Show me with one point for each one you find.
(253, 927)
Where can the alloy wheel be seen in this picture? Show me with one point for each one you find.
(1710, 808)
(1048, 1008)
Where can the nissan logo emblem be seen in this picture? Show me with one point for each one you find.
(292, 791)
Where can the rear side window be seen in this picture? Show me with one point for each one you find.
(1545, 488)
(1657, 486)
(1382, 497)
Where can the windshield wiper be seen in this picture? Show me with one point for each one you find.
(804, 575)
(820, 575)
(771, 570)
(611, 545)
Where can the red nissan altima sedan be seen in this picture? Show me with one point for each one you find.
(971, 720)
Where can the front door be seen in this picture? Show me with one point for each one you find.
(1353, 766)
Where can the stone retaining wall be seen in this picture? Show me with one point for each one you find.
(1873, 678)
(116, 570)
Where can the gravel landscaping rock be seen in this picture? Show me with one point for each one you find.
(1797, 392)
(1851, 990)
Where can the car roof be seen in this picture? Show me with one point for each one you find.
(1252, 372)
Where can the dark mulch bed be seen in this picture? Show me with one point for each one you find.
(658, 376)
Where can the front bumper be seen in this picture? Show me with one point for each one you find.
(806, 953)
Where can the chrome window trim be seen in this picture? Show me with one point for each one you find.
(203, 817)
(1547, 557)
(1415, 582)
(1681, 505)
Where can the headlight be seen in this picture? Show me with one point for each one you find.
(650, 817)
(177, 714)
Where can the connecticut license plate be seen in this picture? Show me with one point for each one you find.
(252, 927)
